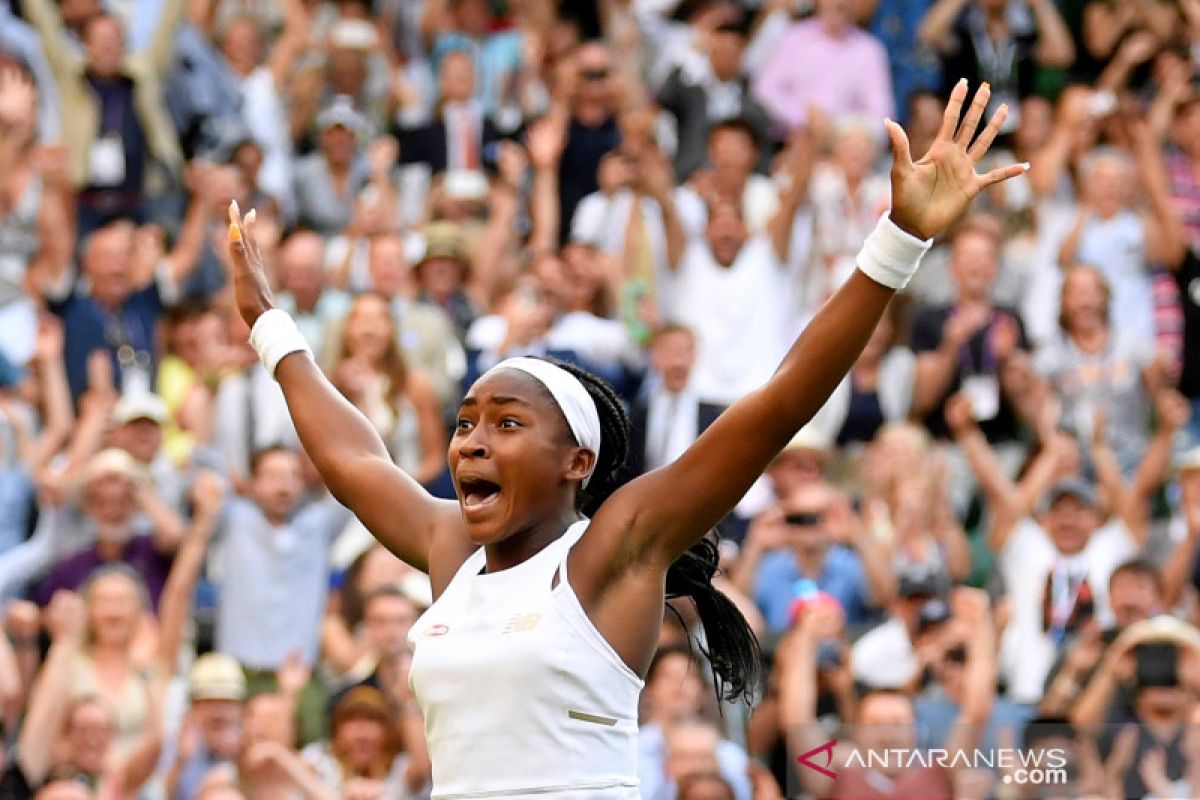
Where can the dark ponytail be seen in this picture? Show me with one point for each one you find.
(731, 647)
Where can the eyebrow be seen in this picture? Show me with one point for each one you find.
(497, 400)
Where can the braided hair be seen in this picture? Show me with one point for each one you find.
(731, 647)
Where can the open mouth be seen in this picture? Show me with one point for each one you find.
(478, 492)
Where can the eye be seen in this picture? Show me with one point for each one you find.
(463, 424)
(509, 422)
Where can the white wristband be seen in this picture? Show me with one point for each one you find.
(274, 336)
(891, 256)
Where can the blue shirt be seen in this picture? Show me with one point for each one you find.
(16, 492)
(842, 577)
(274, 582)
(89, 326)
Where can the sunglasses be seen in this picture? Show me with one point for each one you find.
(804, 519)
(594, 75)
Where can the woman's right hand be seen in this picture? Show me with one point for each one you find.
(252, 291)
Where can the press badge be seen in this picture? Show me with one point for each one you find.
(984, 393)
(107, 161)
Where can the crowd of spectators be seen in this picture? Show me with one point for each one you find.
(988, 535)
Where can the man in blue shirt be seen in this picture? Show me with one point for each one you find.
(813, 534)
(125, 283)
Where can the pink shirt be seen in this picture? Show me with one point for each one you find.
(844, 74)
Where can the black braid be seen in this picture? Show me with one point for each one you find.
(732, 648)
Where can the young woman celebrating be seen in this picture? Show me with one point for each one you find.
(549, 579)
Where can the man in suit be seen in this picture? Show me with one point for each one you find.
(459, 135)
(672, 417)
(707, 88)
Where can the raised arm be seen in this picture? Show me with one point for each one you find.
(668, 509)
(798, 165)
(1054, 46)
(970, 609)
(48, 701)
(343, 444)
(176, 600)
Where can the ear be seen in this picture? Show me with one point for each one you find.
(580, 465)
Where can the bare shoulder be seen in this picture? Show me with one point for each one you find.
(449, 545)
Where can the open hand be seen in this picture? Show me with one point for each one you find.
(251, 290)
(929, 195)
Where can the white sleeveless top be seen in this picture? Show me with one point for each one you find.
(522, 696)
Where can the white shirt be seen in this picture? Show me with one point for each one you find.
(1027, 560)
(740, 316)
(522, 695)
(671, 424)
(460, 116)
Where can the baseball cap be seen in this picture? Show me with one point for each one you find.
(465, 184)
(444, 240)
(1070, 487)
(112, 461)
(353, 34)
(140, 405)
(216, 676)
(1187, 460)
(340, 112)
(808, 439)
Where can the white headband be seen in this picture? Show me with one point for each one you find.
(577, 405)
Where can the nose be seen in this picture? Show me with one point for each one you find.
(475, 443)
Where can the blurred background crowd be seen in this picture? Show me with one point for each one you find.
(988, 536)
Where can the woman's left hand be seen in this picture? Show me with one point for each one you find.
(929, 195)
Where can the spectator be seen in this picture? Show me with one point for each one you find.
(364, 750)
(328, 181)
(672, 418)
(966, 347)
(1117, 241)
(813, 534)
(709, 88)
(585, 119)
(998, 42)
(211, 733)
(116, 308)
(672, 741)
(275, 553)
(110, 530)
(886, 719)
(792, 81)
(460, 135)
(114, 115)
(38, 226)
(371, 372)
(717, 287)
(1101, 368)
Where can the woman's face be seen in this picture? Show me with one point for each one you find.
(114, 606)
(1083, 298)
(360, 742)
(369, 328)
(512, 457)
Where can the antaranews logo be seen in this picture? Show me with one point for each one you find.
(874, 753)
(806, 759)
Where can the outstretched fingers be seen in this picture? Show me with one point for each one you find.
(970, 122)
(1002, 174)
(980, 148)
(901, 154)
(953, 110)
